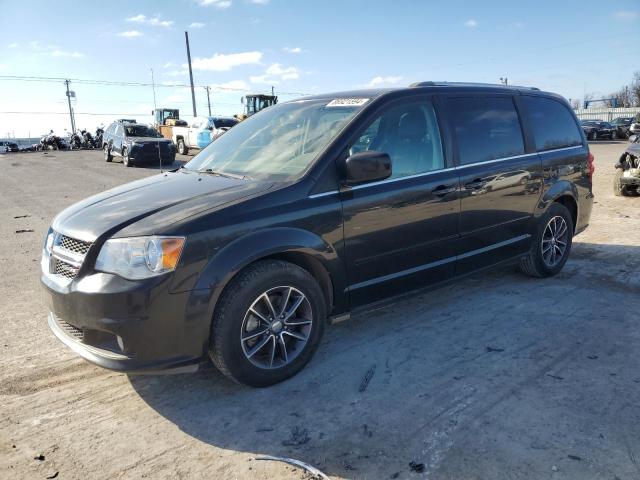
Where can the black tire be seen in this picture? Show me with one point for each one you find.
(619, 190)
(534, 263)
(227, 350)
(126, 161)
(182, 148)
(594, 136)
(614, 135)
(107, 154)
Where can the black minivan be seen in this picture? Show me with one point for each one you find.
(311, 210)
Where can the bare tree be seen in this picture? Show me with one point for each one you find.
(634, 90)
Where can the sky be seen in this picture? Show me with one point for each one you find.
(297, 46)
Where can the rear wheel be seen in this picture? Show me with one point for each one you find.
(268, 323)
(593, 136)
(614, 134)
(551, 244)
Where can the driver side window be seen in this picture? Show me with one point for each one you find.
(409, 134)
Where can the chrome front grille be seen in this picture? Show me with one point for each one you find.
(62, 268)
(73, 245)
(67, 256)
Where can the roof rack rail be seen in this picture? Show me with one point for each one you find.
(467, 84)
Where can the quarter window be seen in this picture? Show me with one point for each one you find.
(486, 128)
(409, 134)
(552, 124)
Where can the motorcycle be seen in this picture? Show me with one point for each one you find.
(87, 139)
(51, 142)
(97, 139)
(76, 141)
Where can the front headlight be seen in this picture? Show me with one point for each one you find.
(136, 258)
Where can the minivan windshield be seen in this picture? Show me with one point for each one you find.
(278, 143)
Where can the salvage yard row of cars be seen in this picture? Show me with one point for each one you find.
(620, 127)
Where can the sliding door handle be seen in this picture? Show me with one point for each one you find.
(442, 190)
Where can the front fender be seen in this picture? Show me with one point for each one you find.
(232, 258)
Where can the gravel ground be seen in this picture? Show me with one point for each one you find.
(500, 376)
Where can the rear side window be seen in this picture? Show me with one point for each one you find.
(552, 124)
(486, 128)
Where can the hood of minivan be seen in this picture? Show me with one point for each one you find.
(173, 195)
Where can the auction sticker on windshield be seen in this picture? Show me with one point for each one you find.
(347, 102)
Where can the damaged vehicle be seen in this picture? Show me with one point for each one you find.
(627, 179)
(309, 211)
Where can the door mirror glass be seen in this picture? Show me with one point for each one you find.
(368, 166)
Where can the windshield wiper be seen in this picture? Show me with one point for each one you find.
(211, 171)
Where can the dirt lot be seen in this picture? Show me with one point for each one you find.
(498, 377)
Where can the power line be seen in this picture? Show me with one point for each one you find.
(132, 84)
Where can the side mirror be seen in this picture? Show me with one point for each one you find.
(369, 166)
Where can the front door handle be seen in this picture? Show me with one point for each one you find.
(476, 184)
(442, 190)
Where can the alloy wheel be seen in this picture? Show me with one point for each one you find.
(554, 241)
(276, 327)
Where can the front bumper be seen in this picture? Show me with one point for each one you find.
(148, 153)
(127, 326)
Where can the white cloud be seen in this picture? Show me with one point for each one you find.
(380, 81)
(153, 21)
(263, 79)
(292, 49)
(196, 25)
(626, 15)
(259, 2)
(471, 23)
(13, 45)
(62, 53)
(232, 85)
(168, 65)
(130, 34)
(137, 18)
(224, 62)
(285, 73)
(216, 3)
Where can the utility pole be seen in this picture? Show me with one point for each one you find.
(207, 88)
(272, 91)
(153, 85)
(73, 126)
(193, 93)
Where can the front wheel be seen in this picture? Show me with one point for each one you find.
(107, 154)
(182, 148)
(551, 244)
(125, 157)
(593, 136)
(268, 323)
